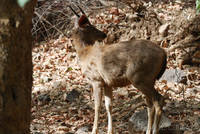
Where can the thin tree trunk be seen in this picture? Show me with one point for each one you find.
(15, 67)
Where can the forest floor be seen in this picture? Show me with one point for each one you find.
(61, 99)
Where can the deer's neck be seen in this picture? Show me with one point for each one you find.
(82, 49)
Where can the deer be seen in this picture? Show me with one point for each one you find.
(136, 62)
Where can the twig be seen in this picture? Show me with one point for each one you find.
(42, 14)
(53, 26)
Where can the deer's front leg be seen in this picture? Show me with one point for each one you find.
(97, 93)
(108, 104)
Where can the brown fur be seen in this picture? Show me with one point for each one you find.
(137, 62)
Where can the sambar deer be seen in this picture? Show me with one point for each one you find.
(137, 62)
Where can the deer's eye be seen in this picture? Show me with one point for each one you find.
(71, 40)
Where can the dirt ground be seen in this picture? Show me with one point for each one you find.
(61, 98)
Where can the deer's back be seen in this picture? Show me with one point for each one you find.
(121, 61)
(116, 64)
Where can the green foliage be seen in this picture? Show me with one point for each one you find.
(22, 2)
(198, 5)
(69, 69)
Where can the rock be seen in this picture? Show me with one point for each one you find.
(189, 132)
(198, 121)
(45, 78)
(107, 3)
(44, 99)
(163, 29)
(83, 130)
(56, 84)
(35, 129)
(173, 129)
(72, 95)
(37, 133)
(138, 122)
(173, 75)
(122, 92)
(132, 17)
(87, 130)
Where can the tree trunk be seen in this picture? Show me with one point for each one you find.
(15, 66)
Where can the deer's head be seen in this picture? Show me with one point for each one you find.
(86, 32)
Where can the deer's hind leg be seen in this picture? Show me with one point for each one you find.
(146, 86)
(158, 104)
(154, 108)
(151, 114)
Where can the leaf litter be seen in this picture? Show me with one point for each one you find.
(61, 98)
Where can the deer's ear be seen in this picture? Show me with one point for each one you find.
(83, 20)
(76, 22)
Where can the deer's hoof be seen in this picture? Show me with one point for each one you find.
(94, 132)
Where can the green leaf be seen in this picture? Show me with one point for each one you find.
(69, 69)
(198, 5)
(21, 3)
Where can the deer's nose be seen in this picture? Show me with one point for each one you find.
(104, 35)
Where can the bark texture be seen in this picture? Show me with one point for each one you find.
(15, 67)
